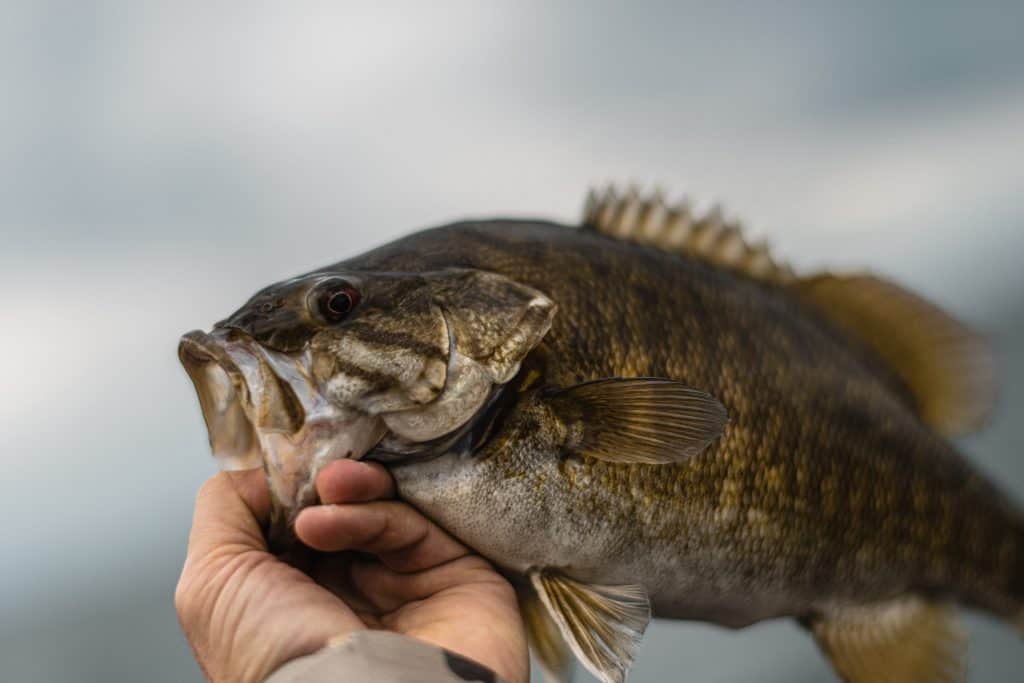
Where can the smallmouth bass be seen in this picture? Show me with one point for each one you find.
(641, 416)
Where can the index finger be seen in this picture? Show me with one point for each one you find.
(394, 531)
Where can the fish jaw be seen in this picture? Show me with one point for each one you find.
(263, 409)
(223, 395)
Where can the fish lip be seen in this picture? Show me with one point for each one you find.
(197, 348)
(223, 395)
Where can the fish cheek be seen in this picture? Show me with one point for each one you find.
(375, 366)
(466, 389)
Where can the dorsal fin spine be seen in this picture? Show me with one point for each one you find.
(948, 369)
(678, 225)
(652, 217)
(651, 220)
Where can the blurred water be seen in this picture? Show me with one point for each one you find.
(161, 161)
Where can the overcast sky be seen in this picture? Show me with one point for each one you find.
(161, 161)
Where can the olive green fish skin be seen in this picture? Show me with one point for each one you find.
(826, 488)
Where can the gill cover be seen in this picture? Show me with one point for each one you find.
(491, 323)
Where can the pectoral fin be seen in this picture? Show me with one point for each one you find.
(602, 624)
(639, 420)
(546, 641)
(903, 641)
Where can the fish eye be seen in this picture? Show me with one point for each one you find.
(337, 301)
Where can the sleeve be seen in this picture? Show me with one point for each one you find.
(382, 657)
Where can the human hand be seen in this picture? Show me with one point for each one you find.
(246, 612)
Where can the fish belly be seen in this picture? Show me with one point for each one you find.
(724, 548)
(557, 515)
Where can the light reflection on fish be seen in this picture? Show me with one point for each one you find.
(642, 415)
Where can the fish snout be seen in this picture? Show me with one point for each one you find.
(277, 321)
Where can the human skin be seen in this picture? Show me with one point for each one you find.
(245, 612)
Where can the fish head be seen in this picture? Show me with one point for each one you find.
(330, 364)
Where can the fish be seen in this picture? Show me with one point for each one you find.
(643, 415)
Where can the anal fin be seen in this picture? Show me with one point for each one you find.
(906, 640)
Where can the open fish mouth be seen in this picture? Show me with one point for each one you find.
(263, 408)
(223, 397)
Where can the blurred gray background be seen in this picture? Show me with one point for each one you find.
(161, 161)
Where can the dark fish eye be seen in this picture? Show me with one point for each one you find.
(337, 302)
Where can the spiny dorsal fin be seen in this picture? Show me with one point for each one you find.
(902, 641)
(947, 367)
(710, 237)
(602, 624)
(546, 641)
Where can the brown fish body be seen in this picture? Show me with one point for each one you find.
(825, 487)
(644, 415)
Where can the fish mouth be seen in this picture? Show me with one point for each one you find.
(264, 408)
(223, 395)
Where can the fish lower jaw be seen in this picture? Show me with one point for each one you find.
(292, 461)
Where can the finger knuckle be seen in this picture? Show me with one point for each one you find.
(184, 603)
(212, 486)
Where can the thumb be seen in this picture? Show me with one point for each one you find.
(231, 508)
